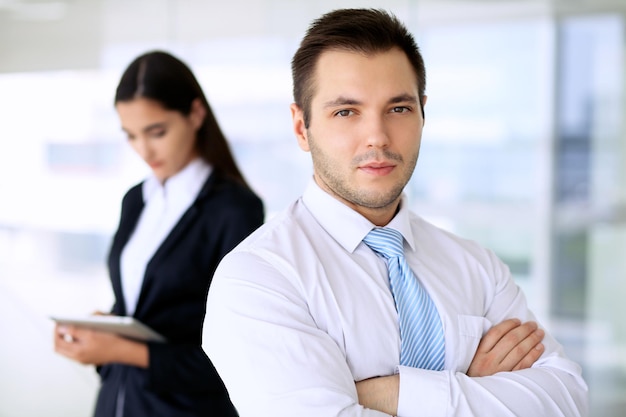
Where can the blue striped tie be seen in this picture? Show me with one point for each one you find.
(421, 333)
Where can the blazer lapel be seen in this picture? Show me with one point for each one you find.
(185, 222)
(131, 211)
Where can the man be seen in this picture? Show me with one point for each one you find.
(307, 316)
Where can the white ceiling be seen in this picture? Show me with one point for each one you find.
(40, 35)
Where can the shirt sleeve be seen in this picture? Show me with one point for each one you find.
(552, 387)
(273, 359)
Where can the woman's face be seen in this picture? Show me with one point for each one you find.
(164, 139)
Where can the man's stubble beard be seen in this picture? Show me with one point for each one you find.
(340, 186)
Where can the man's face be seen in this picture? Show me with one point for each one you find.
(365, 130)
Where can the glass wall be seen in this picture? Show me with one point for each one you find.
(523, 151)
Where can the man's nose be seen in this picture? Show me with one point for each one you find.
(376, 131)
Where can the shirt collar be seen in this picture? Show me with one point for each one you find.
(347, 226)
(184, 183)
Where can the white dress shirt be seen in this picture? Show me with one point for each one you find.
(302, 308)
(164, 205)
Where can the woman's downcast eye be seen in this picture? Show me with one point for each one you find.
(159, 133)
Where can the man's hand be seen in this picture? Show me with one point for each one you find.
(508, 346)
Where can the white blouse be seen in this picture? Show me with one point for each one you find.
(164, 205)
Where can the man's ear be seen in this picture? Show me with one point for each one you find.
(299, 128)
(197, 113)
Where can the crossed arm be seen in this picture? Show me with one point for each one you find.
(508, 346)
(280, 354)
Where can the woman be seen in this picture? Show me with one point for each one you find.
(174, 228)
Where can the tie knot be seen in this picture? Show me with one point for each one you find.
(385, 241)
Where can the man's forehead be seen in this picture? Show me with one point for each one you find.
(351, 76)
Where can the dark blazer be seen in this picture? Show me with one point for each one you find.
(181, 380)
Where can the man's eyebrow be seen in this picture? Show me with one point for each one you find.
(403, 98)
(345, 101)
(342, 101)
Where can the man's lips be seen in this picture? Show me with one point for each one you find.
(378, 168)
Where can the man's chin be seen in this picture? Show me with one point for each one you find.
(378, 200)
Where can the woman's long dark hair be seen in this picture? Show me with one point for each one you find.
(161, 77)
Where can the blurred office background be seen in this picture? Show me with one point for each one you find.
(524, 150)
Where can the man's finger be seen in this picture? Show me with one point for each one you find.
(497, 332)
(526, 352)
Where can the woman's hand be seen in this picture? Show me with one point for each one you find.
(92, 347)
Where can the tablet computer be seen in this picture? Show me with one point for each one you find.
(122, 325)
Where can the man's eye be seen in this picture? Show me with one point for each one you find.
(344, 113)
(400, 109)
